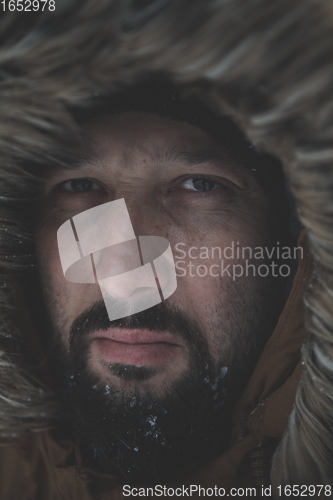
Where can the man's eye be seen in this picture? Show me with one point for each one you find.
(80, 185)
(200, 184)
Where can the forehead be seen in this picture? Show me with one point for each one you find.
(143, 132)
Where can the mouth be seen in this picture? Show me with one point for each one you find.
(138, 347)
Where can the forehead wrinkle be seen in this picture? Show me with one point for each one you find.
(206, 155)
(176, 154)
(203, 155)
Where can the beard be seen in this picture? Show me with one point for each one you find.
(144, 436)
(157, 435)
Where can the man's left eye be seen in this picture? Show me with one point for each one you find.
(200, 184)
(81, 185)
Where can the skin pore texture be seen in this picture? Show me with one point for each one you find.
(150, 396)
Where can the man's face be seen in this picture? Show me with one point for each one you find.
(179, 184)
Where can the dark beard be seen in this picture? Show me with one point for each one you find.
(145, 437)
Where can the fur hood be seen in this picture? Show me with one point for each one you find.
(267, 63)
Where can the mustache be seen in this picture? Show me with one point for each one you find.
(160, 318)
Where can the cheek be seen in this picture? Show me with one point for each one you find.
(203, 291)
(65, 300)
(209, 287)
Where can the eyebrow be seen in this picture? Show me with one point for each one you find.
(214, 155)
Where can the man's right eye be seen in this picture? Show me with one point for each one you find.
(81, 185)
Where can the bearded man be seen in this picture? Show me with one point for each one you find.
(134, 372)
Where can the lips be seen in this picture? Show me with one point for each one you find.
(139, 347)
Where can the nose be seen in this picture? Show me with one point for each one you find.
(136, 290)
(120, 272)
(127, 268)
(144, 213)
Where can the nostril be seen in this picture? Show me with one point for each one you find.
(135, 282)
(142, 292)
